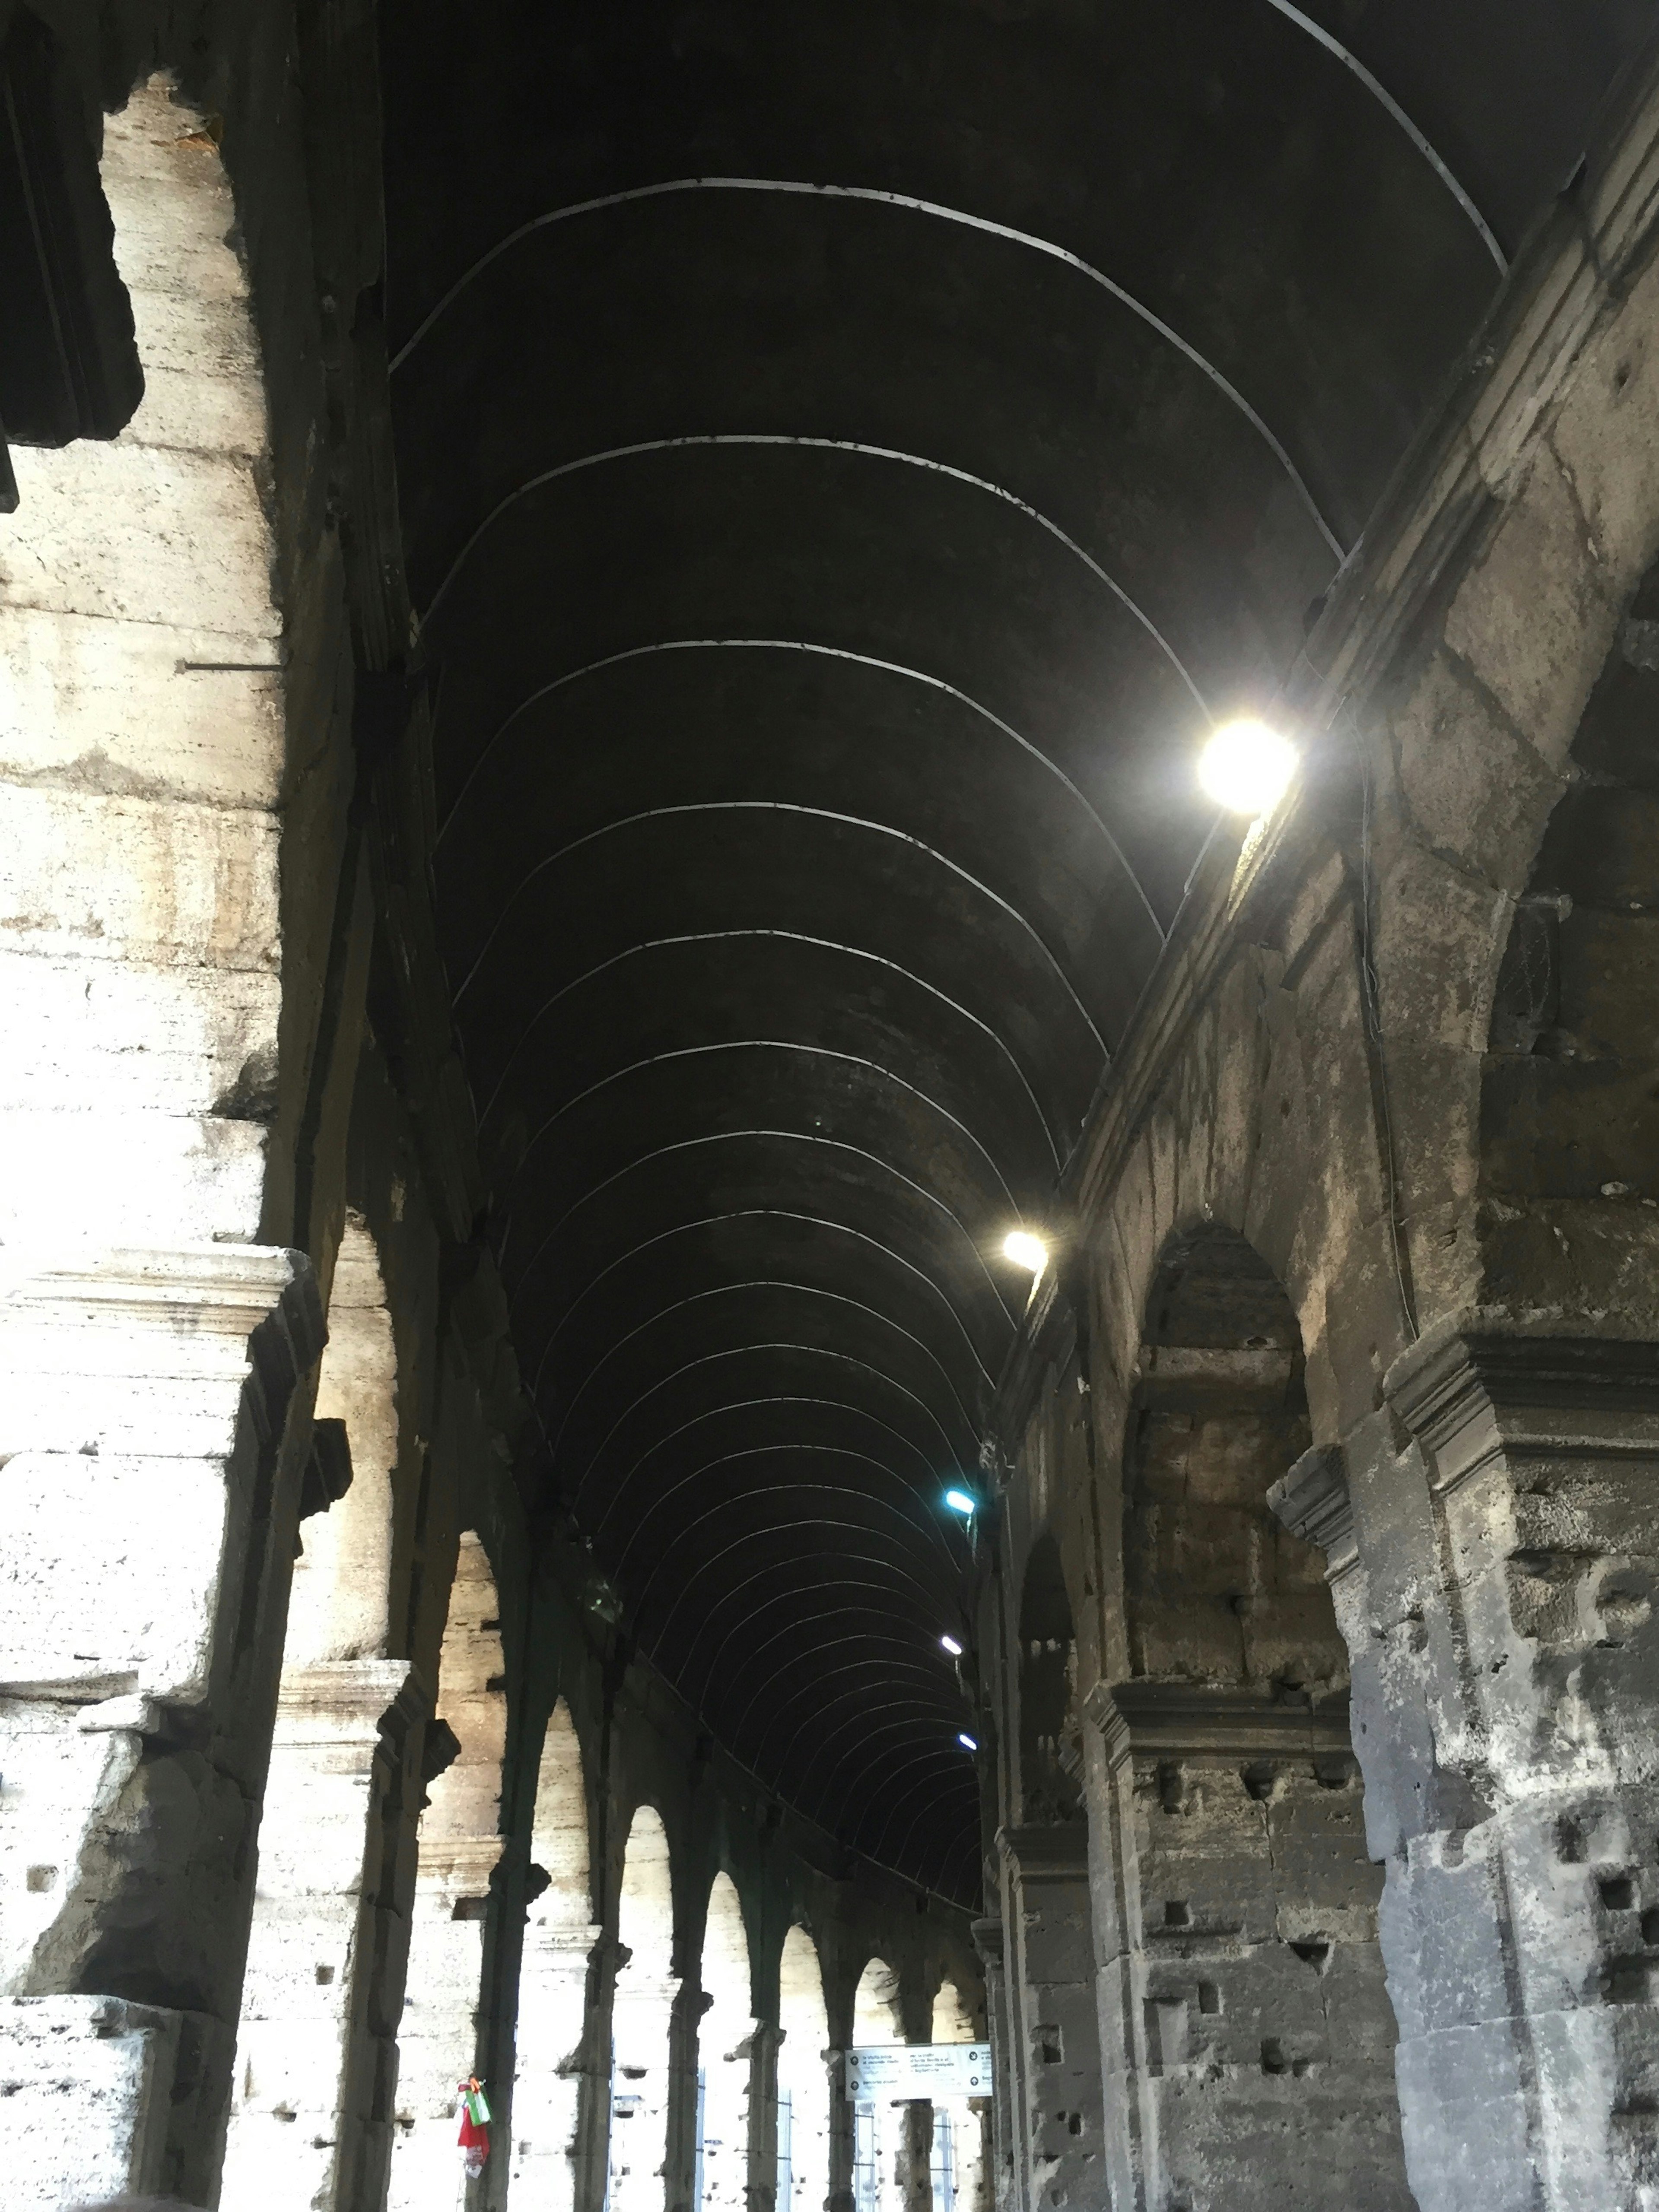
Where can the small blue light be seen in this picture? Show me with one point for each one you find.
(967, 1742)
(960, 1501)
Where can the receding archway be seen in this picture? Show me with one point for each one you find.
(1260, 2060)
(460, 1844)
(878, 2138)
(641, 2018)
(301, 2106)
(958, 2160)
(553, 1979)
(725, 2055)
(804, 2087)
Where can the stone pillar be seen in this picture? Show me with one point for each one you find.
(154, 1425)
(1245, 2027)
(438, 2033)
(307, 2000)
(1494, 1550)
(553, 2065)
(988, 1942)
(762, 2161)
(1054, 2049)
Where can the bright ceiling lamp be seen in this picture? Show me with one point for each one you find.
(967, 1742)
(952, 1646)
(1025, 1250)
(960, 1501)
(1246, 766)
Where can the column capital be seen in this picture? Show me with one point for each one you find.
(1313, 1501)
(1477, 1384)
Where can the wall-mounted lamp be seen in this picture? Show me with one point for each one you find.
(1246, 766)
(950, 1644)
(1025, 1250)
(959, 1501)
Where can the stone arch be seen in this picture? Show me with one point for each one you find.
(959, 2162)
(880, 2141)
(459, 1848)
(1569, 1171)
(553, 1979)
(1249, 1904)
(143, 748)
(1050, 1742)
(804, 2083)
(301, 2113)
(642, 2020)
(725, 2048)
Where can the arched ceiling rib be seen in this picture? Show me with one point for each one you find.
(847, 454)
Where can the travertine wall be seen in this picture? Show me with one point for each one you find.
(1399, 1046)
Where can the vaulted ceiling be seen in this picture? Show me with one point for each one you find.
(849, 452)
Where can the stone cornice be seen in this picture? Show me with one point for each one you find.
(1313, 1501)
(348, 1701)
(1193, 1721)
(1056, 1852)
(1475, 1385)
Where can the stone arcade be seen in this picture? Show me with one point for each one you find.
(607, 617)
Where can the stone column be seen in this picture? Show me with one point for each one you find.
(988, 1942)
(307, 1998)
(1494, 1551)
(762, 2161)
(1247, 2038)
(553, 2065)
(153, 1424)
(1054, 2049)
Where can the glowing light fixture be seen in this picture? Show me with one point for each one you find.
(1245, 768)
(1025, 1250)
(952, 1646)
(967, 1742)
(960, 1501)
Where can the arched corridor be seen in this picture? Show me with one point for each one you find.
(828, 836)
(805, 2089)
(641, 2018)
(554, 1981)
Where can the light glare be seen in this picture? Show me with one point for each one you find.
(1246, 766)
(960, 1501)
(1025, 1250)
(967, 1742)
(952, 1646)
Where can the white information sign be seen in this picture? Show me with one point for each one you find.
(880, 2073)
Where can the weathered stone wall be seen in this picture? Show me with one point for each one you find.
(1399, 1046)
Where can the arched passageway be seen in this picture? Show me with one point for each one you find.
(880, 2143)
(553, 1980)
(460, 1846)
(302, 2112)
(724, 2056)
(804, 2084)
(642, 2020)
(958, 2159)
(1258, 2046)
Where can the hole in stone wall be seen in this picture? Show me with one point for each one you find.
(1625, 1981)
(1074, 2124)
(1177, 1913)
(1618, 1892)
(1051, 2048)
(325, 1976)
(1569, 1842)
(1258, 1780)
(1651, 1925)
(1313, 1954)
(1209, 1997)
(1274, 2060)
(471, 1908)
